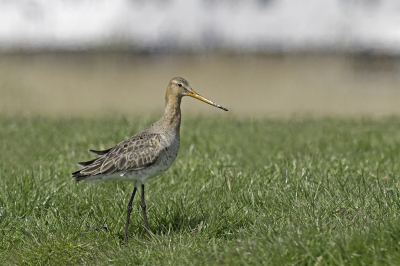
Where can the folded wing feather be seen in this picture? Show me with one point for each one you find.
(135, 153)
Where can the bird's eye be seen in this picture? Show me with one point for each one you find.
(180, 84)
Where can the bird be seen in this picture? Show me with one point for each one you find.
(147, 154)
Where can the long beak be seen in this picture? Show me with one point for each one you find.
(193, 94)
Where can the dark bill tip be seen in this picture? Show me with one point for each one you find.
(223, 108)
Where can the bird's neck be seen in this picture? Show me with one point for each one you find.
(172, 113)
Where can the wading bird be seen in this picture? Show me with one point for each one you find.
(147, 154)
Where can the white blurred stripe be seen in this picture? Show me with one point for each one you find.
(246, 25)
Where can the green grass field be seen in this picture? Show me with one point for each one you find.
(241, 192)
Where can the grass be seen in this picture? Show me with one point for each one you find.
(241, 192)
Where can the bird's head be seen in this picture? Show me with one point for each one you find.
(180, 87)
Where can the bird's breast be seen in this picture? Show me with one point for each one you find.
(170, 150)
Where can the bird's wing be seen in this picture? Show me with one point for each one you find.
(134, 153)
(100, 152)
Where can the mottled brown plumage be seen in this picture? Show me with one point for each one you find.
(147, 154)
(132, 154)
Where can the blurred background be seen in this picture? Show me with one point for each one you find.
(255, 57)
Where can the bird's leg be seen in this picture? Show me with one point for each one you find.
(143, 205)
(128, 215)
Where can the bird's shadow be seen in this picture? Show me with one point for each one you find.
(174, 218)
(169, 219)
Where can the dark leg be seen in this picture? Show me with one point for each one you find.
(144, 213)
(128, 215)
